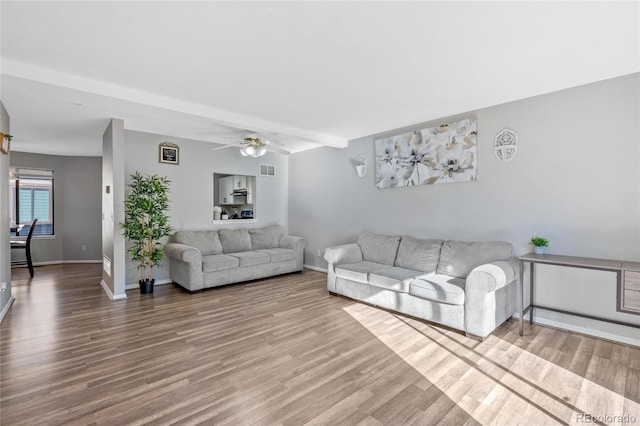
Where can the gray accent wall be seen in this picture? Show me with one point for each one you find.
(5, 255)
(81, 220)
(192, 184)
(575, 180)
(77, 211)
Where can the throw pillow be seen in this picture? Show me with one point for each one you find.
(379, 248)
(234, 240)
(206, 241)
(458, 258)
(419, 255)
(266, 237)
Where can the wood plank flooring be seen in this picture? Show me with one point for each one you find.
(282, 351)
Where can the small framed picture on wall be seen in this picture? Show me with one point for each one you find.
(169, 153)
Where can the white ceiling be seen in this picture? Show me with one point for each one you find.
(305, 74)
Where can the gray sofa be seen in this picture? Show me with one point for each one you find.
(470, 286)
(202, 259)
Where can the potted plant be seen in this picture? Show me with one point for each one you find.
(145, 223)
(539, 244)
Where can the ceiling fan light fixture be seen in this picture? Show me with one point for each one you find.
(250, 150)
(261, 151)
(243, 152)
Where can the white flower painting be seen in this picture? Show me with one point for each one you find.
(435, 155)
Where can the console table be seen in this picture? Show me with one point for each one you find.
(628, 289)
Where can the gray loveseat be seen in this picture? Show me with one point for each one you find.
(470, 286)
(202, 259)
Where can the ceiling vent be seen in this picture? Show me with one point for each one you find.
(267, 170)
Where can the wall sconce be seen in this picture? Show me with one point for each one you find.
(360, 163)
(3, 138)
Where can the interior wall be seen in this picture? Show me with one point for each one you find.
(192, 202)
(113, 247)
(5, 255)
(574, 180)
(82, 201)
(77, 211)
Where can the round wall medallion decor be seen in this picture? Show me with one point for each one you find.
(506, 145)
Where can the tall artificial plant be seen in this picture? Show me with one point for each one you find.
(146, 220)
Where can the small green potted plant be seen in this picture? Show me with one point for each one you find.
(145, 223)
(539, 244)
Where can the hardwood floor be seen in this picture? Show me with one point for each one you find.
(282, 351)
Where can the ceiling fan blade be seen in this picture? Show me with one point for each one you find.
(278, 144)
(223, 147)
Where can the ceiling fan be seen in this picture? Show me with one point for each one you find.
(252, 146)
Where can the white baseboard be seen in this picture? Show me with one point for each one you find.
(110, 294)
(6, 307)
(578, 329)
(57, 262)
(315, 268)
(53, 262)
(136, 285)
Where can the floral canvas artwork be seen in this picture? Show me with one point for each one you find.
(435, 155)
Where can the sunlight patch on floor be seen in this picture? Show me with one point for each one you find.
(495, 381)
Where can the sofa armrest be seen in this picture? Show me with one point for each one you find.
(490, 296)
(297, 244)
(493, 276)
(347, 253)
(338, 255)
(291, 242)
(185, 265)
(182, 252)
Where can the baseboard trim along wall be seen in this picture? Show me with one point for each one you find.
(315, 268)
(6, 307)
(110, 294)
(58, 262)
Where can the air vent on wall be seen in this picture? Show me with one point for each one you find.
(267, 170)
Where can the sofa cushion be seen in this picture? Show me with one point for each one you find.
(207, 242)
(393, 278)
(439, 288)
(421, 255)
(234, 240)
(358, 271)
(379, 248)
(219, 262)
(251, 258)
(266, 237)
(279, 254)
(458, 258)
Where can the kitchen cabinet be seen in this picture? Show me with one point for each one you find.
(239, 182)
(225, 188)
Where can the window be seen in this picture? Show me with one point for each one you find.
(31, 197)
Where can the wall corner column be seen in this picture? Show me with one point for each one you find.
(113, 189)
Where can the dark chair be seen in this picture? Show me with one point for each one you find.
(26, 246)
